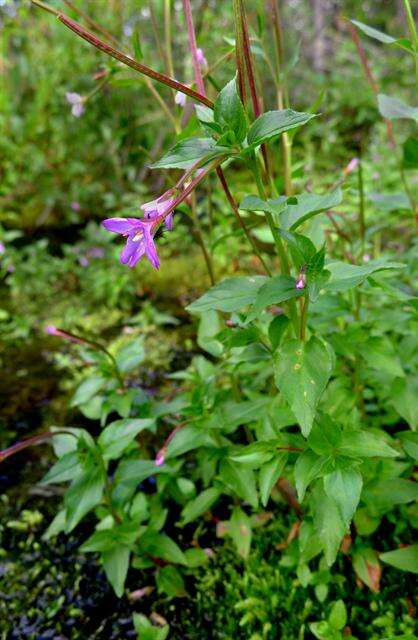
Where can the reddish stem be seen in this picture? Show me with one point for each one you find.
(131, 62)
(370, 78)
(193, 47)
(29, 442)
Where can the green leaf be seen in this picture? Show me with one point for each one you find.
(161, 546)
(87, 389)
(338, 616)
(328, 523)
(119, 434)
(344, 486)
(273, 123)
(308, 467)
(170, 581)
(409, 440)
(255, 454)
(277, 329)
(240, 531)
(229, 295)
(405, 559)
(130, 355)
(84, 494)
(255, 203)
(116, 564)
(187, 439)
(404, 399)
(67, 468)
(129, 474)
(302, 249)
(229, 111)
(232, 414)
(325, 437)
(302, 371)
(124, 534)
(404, 43)
(384, 494)
(147, 631)
(390, 201)
(359, 444)
(345, 276)
(57, 525)
(270, 472)
(395, 109)
(410, 153)
(379, 353)
(201, 504)
(240, 480)
(274, 291)
(188, 152)
(209, 327)
(195, 558)
(307, 206)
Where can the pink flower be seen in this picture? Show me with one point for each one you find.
(52, 330)
(301, 281)
(160, 457)
(201, 58)
(75, 206)
(2, 248)
(353, 164)
(77, 103)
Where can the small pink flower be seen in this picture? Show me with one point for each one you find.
(75, 206)
(201, 58)
(52, 330)
(2, 248)
(353, 164)
(83, 261)
(77, 103)
(366, 257)
(160, 457)
(180, 99)
(301, 281)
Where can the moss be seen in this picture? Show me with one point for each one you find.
(263, 599)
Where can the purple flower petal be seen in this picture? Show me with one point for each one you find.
(118, 225)
(150, 248)
(131, 248)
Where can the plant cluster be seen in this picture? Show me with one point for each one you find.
(306, 382)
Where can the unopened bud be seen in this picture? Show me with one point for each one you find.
(160, 457)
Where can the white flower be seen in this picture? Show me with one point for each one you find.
(180, 99)
(77, 103)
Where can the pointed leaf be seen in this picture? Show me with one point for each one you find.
(302, 371)
(344, 487)
(270, 472)
(273, 123)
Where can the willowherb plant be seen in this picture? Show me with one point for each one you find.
(293, 355)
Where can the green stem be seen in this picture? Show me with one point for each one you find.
(281, 251)
(284, 262)
(304, 318)
(240, 220)
(167, 37)
(201, 240)
(362, 223)
(413, 32)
